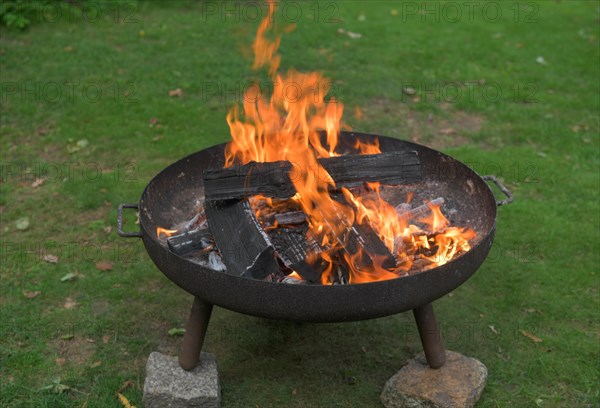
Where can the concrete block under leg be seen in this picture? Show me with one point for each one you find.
(167, 385)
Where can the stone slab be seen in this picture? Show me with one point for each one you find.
(458, 383)
(169, 386)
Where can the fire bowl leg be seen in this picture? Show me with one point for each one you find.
(431, 338)
(195, 331)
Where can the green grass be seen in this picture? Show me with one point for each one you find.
(540, 135)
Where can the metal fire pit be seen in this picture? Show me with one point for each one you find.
(171, 194)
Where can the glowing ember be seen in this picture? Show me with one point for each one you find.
(164, 232)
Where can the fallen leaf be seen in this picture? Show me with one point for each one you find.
(96, 364)
(90, 340)
(362, 17)
(531, 337)
(51, 258)
(31, 295)
(409, 90)
(22, 223)
(519, 45)
(68, 277)
(493, 329)
(69, 303)
(176, 332)
(104, 266)
(354, 36)
(153, 122)
(37, 182)
(107, 229)
(124, 401)
(105, 338)
(69, 336)
(358, 113)
(83, 143)
(540, 60)
(56, 387)
(60, 361)
(68, 48)
(447, 131)
(294, 391)
(176, 92)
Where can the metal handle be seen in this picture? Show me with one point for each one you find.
(501, 187)
(120, 231)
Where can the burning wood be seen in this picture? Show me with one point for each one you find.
(299, 252)
(191, 240)
(245, 248)
(288, 151)
(359, 241)
(291, 218)
(273, 179)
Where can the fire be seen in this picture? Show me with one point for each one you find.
(298, 124)
(164, 232)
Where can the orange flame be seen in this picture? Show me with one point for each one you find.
(298, 124)
(164, 232)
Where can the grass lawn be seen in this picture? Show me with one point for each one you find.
(86, 120)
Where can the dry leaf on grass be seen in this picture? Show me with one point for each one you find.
(176, 92)
(104, 266)
(37, 182)
(531, 337)
(68, 277)
(31, 295)
(124, 401)
(60, 361)
(96, 364)
(70, 303)
(51, 258)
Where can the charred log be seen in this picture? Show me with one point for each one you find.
(190, 240)
(245, 248)
(299, 252)
(273, 179)
(291, 218)
(360, 242)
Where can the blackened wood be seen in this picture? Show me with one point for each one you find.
(390, 168)
(242, 181)
(273, 179)
(299, 252)
(360, 237)
(245, 248)
(291, 218)
(190, 240)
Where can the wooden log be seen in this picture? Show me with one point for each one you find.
(299, 252)
(273, 179)
(187, 241)
(390, 168)
(239, 182)
(360, 237)
(245, 248)
(290, 218)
